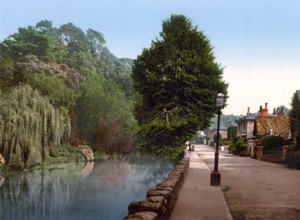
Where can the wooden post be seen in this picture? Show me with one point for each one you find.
(166, 115)
(284, 148)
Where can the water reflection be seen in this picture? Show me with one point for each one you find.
(114, 171)
(2, 179)
(89, 166)
(100, 190)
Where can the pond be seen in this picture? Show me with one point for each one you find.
(95, 190)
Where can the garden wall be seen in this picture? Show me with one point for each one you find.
(160, 200)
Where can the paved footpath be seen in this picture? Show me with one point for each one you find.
(256, 189)
(197, 199)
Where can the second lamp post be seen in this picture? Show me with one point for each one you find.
(215, 177)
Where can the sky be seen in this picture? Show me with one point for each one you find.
(256, 41)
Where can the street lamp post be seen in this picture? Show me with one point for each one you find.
(215, 177)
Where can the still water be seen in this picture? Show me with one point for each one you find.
(96, 190)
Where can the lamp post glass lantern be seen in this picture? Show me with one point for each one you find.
(215, 177)
(220, 100)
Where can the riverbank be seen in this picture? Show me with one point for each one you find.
(160, 200)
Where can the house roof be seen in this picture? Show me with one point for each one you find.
(279, 124)
(213, 128)
(250, 117)
(254, 116)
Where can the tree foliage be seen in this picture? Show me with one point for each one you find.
(101, 97)
(29, 41)
(111, 136)
(29, 125)
(295, 116)
(74, 71)
(54, 88)
(7, 69)
(231, 133)
(177, 73)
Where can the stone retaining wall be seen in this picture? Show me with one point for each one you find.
(272, 159)
(160, 200)
(87, 152)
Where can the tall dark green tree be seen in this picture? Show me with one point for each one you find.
(295, 118)
(178, 75)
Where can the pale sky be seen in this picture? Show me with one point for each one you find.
(257, 41)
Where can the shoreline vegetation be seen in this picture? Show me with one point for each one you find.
(60, 88)
(59, 155)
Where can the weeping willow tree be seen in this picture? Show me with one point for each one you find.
(29, 125)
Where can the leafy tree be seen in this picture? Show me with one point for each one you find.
(95, 40)
(220, 139)
(54, 88)
(7, 69)
(295, 118)
(102, 97)
(111, 137)
(45, 26)
(119, 70)
(29, 41)
(231, 133)
(73, 36)
(29, 125)
(177, 73)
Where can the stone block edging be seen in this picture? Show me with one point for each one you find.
(160, 200)
(87, 152)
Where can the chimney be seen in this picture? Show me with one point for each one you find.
(281, 113)
(260, 111)
(263, 111)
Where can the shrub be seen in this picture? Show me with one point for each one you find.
(238, 146)
(211, 143)
(231, 133)
(100, 155)
(241, 146)
(223, 143)
(232, 148)
(220, 138)
(111, 137)
(64, 154)
(273, 142)
(293, 157)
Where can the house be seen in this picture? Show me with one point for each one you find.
(270, 125)
(245, 126)
(213, 131)
(263, 124)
